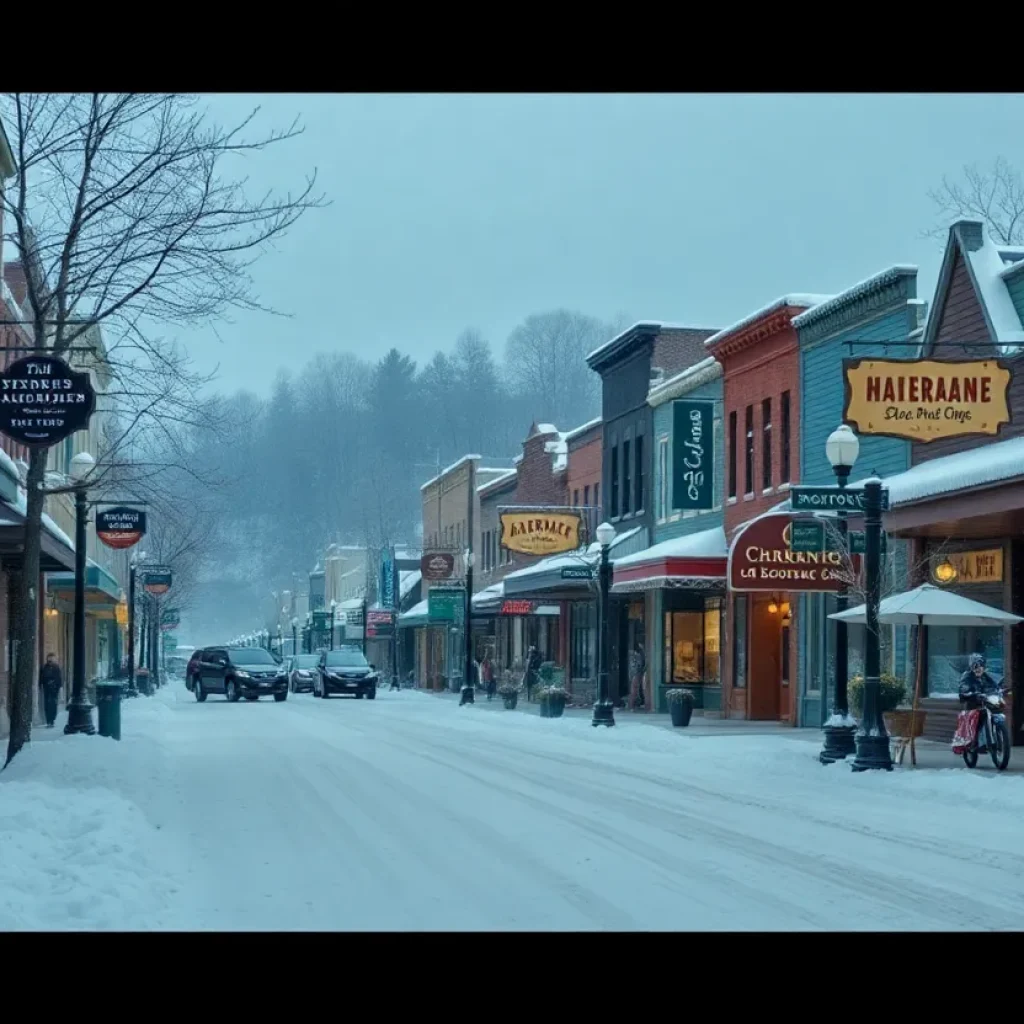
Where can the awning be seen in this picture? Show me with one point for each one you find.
(488, 601)
(696, 560)
(57, 551)
(560, 577)
(100, 587)
(417, 615)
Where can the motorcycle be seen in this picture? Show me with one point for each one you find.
(991, 723)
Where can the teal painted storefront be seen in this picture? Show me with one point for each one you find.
(883, 309)
(701, 382)
(1015, 286)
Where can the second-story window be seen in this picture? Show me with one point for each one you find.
(576, 498)
(638, 457)
(784, 466)
(748, 479)
(613, 505)
(661, 511)
(627, 492)
(766, 447)
(732, 454)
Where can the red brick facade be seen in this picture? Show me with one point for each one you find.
(760, 361)
(583, 476)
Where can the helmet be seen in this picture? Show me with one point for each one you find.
(977, 659)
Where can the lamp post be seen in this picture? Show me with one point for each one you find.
(309, 632)
(364, 627)
(295, 636)
(468, 689)
(132, 569)
(334, 605)
(841, 449)
(604, 713)
(280, 640)
(80, 710)
(872, 737)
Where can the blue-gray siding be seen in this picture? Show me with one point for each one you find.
(681, 526)
(1015, 286)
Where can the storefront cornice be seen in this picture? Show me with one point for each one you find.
(713, 568)
(715, 584)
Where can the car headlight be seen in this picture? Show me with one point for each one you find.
(241, 674)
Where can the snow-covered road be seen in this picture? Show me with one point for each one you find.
(411, 813)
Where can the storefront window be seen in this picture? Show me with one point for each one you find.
(584, 636)
(739, 641)
(949, 648)
(692, 650)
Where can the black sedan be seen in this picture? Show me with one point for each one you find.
(301, 671)
(345, 671)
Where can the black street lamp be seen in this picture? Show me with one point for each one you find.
(295, 637)
(80, 710)
(468, 687)
(309, 632)
(280, 640)
(842, 449)
(132, 570)
(872, 737)
(334, 605)
(604, 713)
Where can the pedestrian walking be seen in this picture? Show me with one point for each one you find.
(487, 675)
(637, 670)
(51, 682)
(469, 692)
(532, 675)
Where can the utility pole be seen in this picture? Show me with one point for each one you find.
(468, 692)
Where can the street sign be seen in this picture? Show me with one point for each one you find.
(856, 542)
(157, 581)
(578, 573)
(43, 401)
(321, 621)
(120, 527)
(170, 642)
(445, 604)
(380, 623)
(807, 535)
(170, 618)
(806, 498)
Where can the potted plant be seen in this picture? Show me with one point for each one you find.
(680, 706)
(892, 692)
(510, 695)
(555, 698)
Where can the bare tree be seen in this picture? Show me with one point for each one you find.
(125, 213)
(994, 196)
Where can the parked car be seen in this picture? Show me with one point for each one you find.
(345, 670)
(301, 670)
(236, 672)
(192, 668)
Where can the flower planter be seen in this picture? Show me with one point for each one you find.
(556, 706)
(681, 712)
(511, 701)
(545, 709)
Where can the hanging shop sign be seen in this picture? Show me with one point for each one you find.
(121, 613)
(170, 619)
(966, 567)
(43, 401)
(518, 607)
(380, 624)
(170, 642)
(541, 531)
(120, 527)
(437, 565)
(321, 621)
(926, 399)
(762, 557)
(693, 454)
(157, 581)
(446, 604)
(354, 617)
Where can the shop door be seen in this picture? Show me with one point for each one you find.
(765, 661)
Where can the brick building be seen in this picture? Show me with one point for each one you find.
(761, 407)
(583, 474)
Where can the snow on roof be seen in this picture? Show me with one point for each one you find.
(582, 429)
(807, 300)
(449, 469)
(653, 324)
(560, 450)
(988, 266)
(706, 544)
(692, 377)
(546, 428)
(509, 474)
(493, 593)
(854, 292)
(417, 611)
(975, 468)
(1011, 268)
(571, 558)
(407, 581)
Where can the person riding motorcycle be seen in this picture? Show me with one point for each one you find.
(974, 684)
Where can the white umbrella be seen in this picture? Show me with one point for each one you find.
(925, 606)
(928, 605)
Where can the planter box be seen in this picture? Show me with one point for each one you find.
(511, 702)
(681, 712)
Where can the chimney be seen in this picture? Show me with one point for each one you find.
(971, 234)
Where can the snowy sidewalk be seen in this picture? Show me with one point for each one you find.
(349, 815)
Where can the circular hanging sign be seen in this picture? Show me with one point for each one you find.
(157, 582)
(43, 401)
(120, 527)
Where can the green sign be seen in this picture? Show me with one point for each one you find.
(580, 573)
(819, 499)
(170, 617)
(321, 621)
(693, 454)
(856, 542)
(807, 535)
(170, 642)
(446, 604)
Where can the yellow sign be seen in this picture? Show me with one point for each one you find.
(970, 567)
(926, 400)
(540, 532)
(121, 613)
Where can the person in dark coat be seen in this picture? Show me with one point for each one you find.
(974, 684)
(532, 675)
(487, 676)
(51, 682)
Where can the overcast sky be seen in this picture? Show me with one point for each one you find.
(450, 211)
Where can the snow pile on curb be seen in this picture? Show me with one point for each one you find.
(74, 853)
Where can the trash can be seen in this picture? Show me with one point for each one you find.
(108, 701)
(142, 681)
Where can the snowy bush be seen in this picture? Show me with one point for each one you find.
(892, 693)
(678, 695)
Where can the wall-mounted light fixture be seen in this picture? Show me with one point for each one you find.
(945, 572)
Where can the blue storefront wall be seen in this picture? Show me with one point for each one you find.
(880, 310)
(1015, 286)
(675, 523)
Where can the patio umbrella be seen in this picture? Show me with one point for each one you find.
(925, 606)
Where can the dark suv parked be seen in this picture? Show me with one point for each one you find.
(345, 671)
(249, 672)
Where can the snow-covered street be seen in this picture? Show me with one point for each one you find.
(411, 813)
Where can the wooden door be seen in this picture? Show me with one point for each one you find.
(764, 655)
